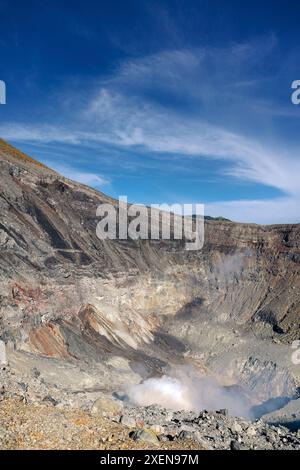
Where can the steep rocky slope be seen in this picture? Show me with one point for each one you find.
(95, 315)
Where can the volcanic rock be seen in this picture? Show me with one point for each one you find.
(95, 316)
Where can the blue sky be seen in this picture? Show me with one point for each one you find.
(162, 101)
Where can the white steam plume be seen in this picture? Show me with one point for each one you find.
(186, 393)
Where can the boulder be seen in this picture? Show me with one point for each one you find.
(3, 358)
(106, 406)
(128, 421)
(144, 435)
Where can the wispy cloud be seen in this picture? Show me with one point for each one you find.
(190, 103)
(90, 179)
(278, 210)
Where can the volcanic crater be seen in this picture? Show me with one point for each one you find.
(110, 316)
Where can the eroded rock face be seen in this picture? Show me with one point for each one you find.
(48, 340)
(66, 295)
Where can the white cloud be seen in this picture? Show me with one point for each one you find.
(45, 133)
(121, 113)
(79, 176)
(278, 210)
(126, 123)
